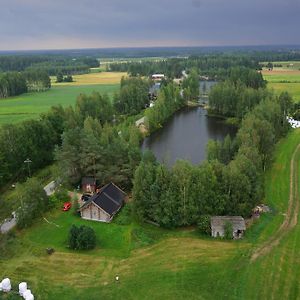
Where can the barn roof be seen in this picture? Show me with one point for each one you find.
(110, 198)
(238, 222)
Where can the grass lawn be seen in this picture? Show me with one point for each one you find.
(164, 264)
(31, 105)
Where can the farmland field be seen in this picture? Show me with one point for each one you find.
(30, 105)
(92, 78)
(168, 264)
(282, 80)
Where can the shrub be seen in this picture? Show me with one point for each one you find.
(228, 231)
(125, 215)
(204, 224)
(82, 238)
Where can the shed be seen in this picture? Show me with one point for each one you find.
(103, 205)
(88, 184)
(218, 226)
(140, 122)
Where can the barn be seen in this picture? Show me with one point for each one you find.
(218, 226)
(103, 205)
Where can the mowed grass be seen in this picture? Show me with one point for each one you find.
(281, 80)
(92, 78)
(164, 264)
(31, 105)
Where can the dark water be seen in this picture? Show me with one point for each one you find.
(185, 136)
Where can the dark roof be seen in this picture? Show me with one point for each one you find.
(88, 180)
(110, 198)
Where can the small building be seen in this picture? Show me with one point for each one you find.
(140, 122)
(158, 77)
(218, 226)
(88, 184)
(103, 205)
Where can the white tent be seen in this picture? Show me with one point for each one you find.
(6, 286)
(22, 288)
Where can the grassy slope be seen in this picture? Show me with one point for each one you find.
(29, 106)
(175, 264)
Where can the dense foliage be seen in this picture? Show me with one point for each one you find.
(213, 65)
(133, 96)
(33, 202)
(169, 100)
(12, 84)
(52, 64)
(82, 238)
(34, 139)
(107, 152)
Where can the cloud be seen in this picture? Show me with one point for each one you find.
(110, 23)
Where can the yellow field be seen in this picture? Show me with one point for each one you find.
(93, 78)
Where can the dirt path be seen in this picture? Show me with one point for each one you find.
(291, 217)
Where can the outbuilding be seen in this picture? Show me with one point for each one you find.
(104, 204)
(218, 226)
(88, 184)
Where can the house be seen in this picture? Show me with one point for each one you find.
(88, 185)
(218, 226)
(103, 205)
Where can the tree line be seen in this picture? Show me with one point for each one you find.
(15, 83)
(52, 64)
(238, 94)
(216, 66)
(133, 95)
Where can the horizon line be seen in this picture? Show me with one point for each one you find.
(150, 47)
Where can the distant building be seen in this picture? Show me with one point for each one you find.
(218, 226)
(157, 77)
(103, 205)
(88, 184)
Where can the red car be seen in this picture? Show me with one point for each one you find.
(67, 206)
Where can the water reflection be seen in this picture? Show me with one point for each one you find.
(185, 136)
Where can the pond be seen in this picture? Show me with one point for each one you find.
(185, 136)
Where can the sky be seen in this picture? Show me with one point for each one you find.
(63, 24)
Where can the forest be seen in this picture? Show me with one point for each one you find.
(52, 64)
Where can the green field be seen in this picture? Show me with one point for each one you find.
(29, 106)
(281, 80)
(169, 264)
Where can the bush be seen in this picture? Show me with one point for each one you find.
(204, 224)
(125, 215)
(82, 238)
(228, 231)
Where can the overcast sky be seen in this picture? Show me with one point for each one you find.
(57, 24)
